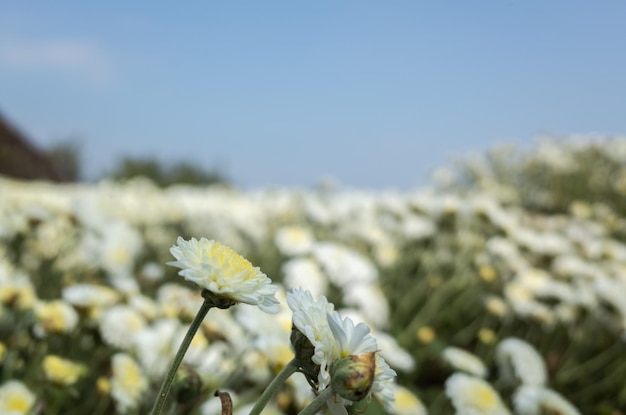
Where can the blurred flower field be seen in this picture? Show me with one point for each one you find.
(501, 289)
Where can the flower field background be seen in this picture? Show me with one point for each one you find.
(499, 289)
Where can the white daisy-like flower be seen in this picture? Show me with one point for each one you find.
(405, 402)
(305, 273)
(464, 361)
(128, 383)
(310, 317)
(55, 316)
(519, 360)
(370, 300)
(294, 240)
(220, 270)
(344, 265)
(350, 339)
(356, 368)
(533, 400)
(474, 396)
(346, 350)
(89, 295)
(154, 346)
(15, 398)
(119, 326)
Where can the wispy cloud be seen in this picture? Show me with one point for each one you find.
(77, 57)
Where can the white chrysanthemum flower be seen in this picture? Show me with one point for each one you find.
(177, 301)
(370, 300)
(519, 360)
(405, 402)
(217, 364)
(355, 342)
(269, 333)
(128, 383)
(535, 400)
(340, 346)
(145, 305)
(464, 361)
(16, 287)
(90, 295)
(119, 247)
(197, 347)
(474, 396)
(222, 271)
(294, 240)
(256, 367)
(417, 227)
(154, 346)
(15, 398)
(305, 273)
(310, 317)
(151, 271)
(119, 326)
(54, 317)
(350, 339)
(343, 265)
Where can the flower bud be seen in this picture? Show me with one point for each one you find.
(352, 377)
(187, 385)
(304, 351)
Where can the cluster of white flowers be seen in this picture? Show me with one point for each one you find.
(335, 338)
(88, 262)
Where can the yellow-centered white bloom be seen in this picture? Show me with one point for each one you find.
(294, 240)
(405, 402)
(464, 361)
(474, 396)
(15, 398)
(222, 271)
(119, 326)
(128, 383)
(346, 354)
(55, 316)
(61, 371)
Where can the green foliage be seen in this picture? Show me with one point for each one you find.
(182, 172)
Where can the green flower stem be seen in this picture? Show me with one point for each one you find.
(289, 369)
(169, 377)
(318, 402)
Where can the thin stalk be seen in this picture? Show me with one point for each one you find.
(318, 402)
(169, 377)
(289, 369)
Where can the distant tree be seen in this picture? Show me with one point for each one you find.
(180, 173)
(130, 167)
(188, 173)
(65, 157)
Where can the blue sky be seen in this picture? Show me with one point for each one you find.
(375, 94)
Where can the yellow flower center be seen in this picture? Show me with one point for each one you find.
(60, 370)
(18, 404)
(406, 402)
(426, 334)
(230, 260)
(487, 336)
(487, 273)
(484, 398)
